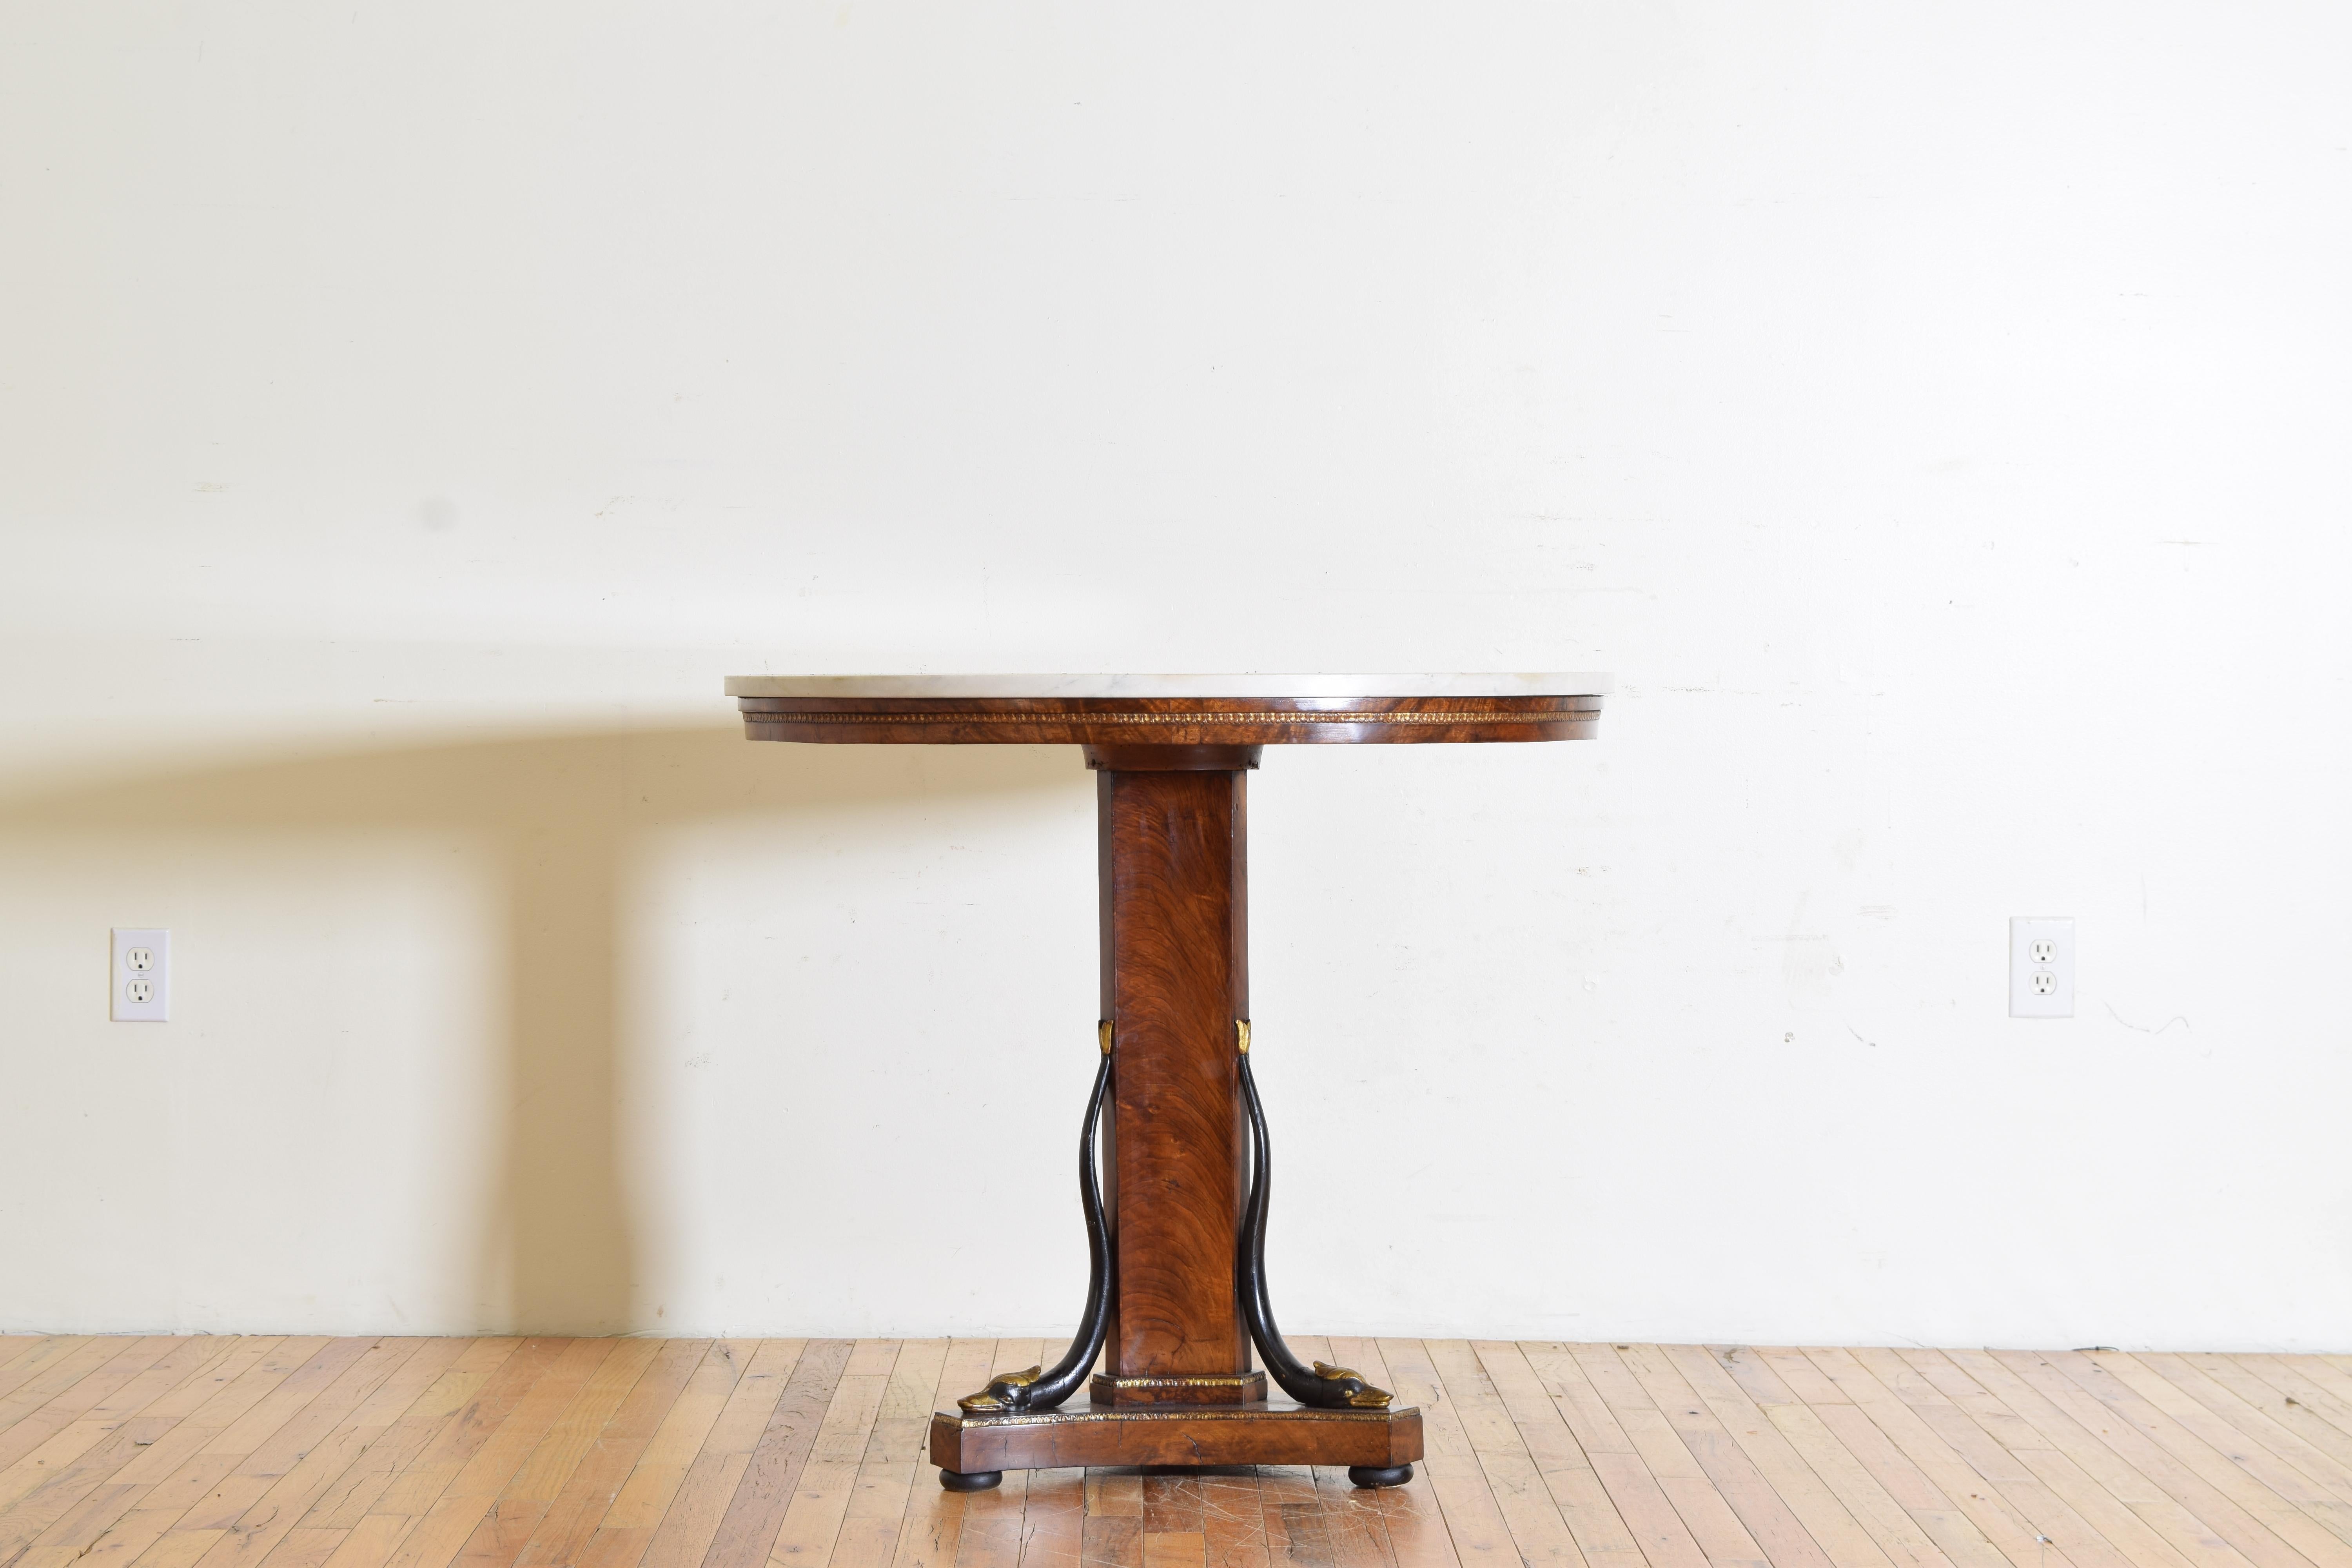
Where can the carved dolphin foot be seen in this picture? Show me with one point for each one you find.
(1344, 1386)
(1011, 1391)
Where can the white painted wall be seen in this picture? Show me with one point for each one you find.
(1936, 416)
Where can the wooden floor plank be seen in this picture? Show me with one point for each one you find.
(306, 1547)
(549, 1468)
(74, 1531)
(1173, 1533)
(1936, 1490)
(1512, 1472)
(892, 1466)
(1971, 1417)
(645, 1499)
(2278, 1388)
(930, 1533)
(371, 1542)
(1416, 1525)
(1706, 1510)
(691, 1522)
(442, 1405)
(1659, 1530)
(205, 1491)
(587, 1494)
(11, 1346)
(504, 1529)
(429, 1470)
(1917, 1413)
(994, 1521)
(2225, 1419)
(1828, 1522)
(183, 1361)
(1290, 1513)
(41, 1438)
(1559, 1466)
(1053, 1519)
(46, 1352)
(259, 1429)
(2323, 1374)
(2181, 1460)
(1232, 1521)
(79, 1464)
(2296, 1511)
(311, 1453)
(828, 1479)
(2072, 1450)
(1358, 1529)
(1769, 1519)
(181, 1548)
(1476, 1525)
(1114, 1528)
(424, 1392)
(471, 1500)
(165, 1436)
(2027, 1383)
(47, 1372)
(755, 1513)
(1878, 1510)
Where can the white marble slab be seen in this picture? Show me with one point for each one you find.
(1514, 685)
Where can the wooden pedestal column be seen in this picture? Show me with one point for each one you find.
(1178, 1385)
(1175, 976)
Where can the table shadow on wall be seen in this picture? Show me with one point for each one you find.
(562, 813)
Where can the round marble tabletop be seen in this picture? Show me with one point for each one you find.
(1167, 710)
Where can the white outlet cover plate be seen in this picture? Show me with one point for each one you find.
(2027, 958)
(142, 975)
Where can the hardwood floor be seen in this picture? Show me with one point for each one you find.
(543, 1453)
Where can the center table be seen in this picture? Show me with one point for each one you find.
(1176, 1291)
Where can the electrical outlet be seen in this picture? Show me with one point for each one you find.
(141, 979)
(2041, 967)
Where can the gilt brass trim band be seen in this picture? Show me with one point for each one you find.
(1283, 716)
(1185, 1413)
(1191, 1390)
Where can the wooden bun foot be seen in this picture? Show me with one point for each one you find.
(982, 1480)
(1379, 1475)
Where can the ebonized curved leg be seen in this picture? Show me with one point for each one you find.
(1037, 1389)
(1326, 1386)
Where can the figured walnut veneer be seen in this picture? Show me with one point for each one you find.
(1175, 974)
(1169, 720)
